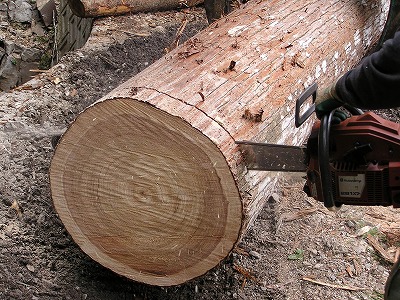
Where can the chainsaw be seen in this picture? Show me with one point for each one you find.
(355, 162)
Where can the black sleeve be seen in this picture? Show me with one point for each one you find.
(375, 83)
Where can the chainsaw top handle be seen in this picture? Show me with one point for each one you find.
(300, 117)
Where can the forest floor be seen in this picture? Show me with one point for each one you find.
(296, 249)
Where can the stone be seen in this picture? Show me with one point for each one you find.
(27, 71)
(9, 73)
(255, 254)
(3, 12)
(2, 53)
(9, 46)
(20, 11)
(31, 54)
(37, 28)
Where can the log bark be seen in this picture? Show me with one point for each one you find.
(97, 8)
(149, 181)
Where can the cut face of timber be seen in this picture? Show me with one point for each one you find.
(148, 195)
(149, 181)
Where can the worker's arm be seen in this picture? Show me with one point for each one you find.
(375, 83)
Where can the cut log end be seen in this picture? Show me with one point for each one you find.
(144, 193)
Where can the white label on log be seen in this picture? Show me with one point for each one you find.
(351, 186)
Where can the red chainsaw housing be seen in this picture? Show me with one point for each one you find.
(364, 162)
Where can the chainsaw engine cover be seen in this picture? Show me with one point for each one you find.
(364, 162)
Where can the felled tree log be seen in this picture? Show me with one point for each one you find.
(97, 8)
(149, 181)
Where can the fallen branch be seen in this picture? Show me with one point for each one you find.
(342, 287)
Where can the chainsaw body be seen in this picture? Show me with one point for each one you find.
(364, 162)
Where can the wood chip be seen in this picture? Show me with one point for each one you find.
(286, 217)
(17, 209)
(30, 268)
(357, 267)
(336, 286)
(241, 251)
(377, 246)
(247, 274)
(349, 271)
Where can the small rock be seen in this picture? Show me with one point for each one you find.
(30, 268)
(31, 54)
(9, 46)
(37, 29)
(20, 11)
(9, 72)
(255, 254)
(332, 277)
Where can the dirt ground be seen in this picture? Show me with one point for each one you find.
(295, 250)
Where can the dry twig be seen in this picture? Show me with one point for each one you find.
(246, 273)
(336, 286)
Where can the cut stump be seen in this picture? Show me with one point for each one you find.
(149, 181)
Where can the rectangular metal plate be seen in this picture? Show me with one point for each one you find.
(272, 157)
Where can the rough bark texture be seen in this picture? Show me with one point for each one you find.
(96, 8)
(149, 180)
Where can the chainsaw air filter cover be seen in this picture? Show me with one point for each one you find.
(364, 158)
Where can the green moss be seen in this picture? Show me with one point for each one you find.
(45, 61)
(298, 254)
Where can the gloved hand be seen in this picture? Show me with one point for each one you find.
(326, 101)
